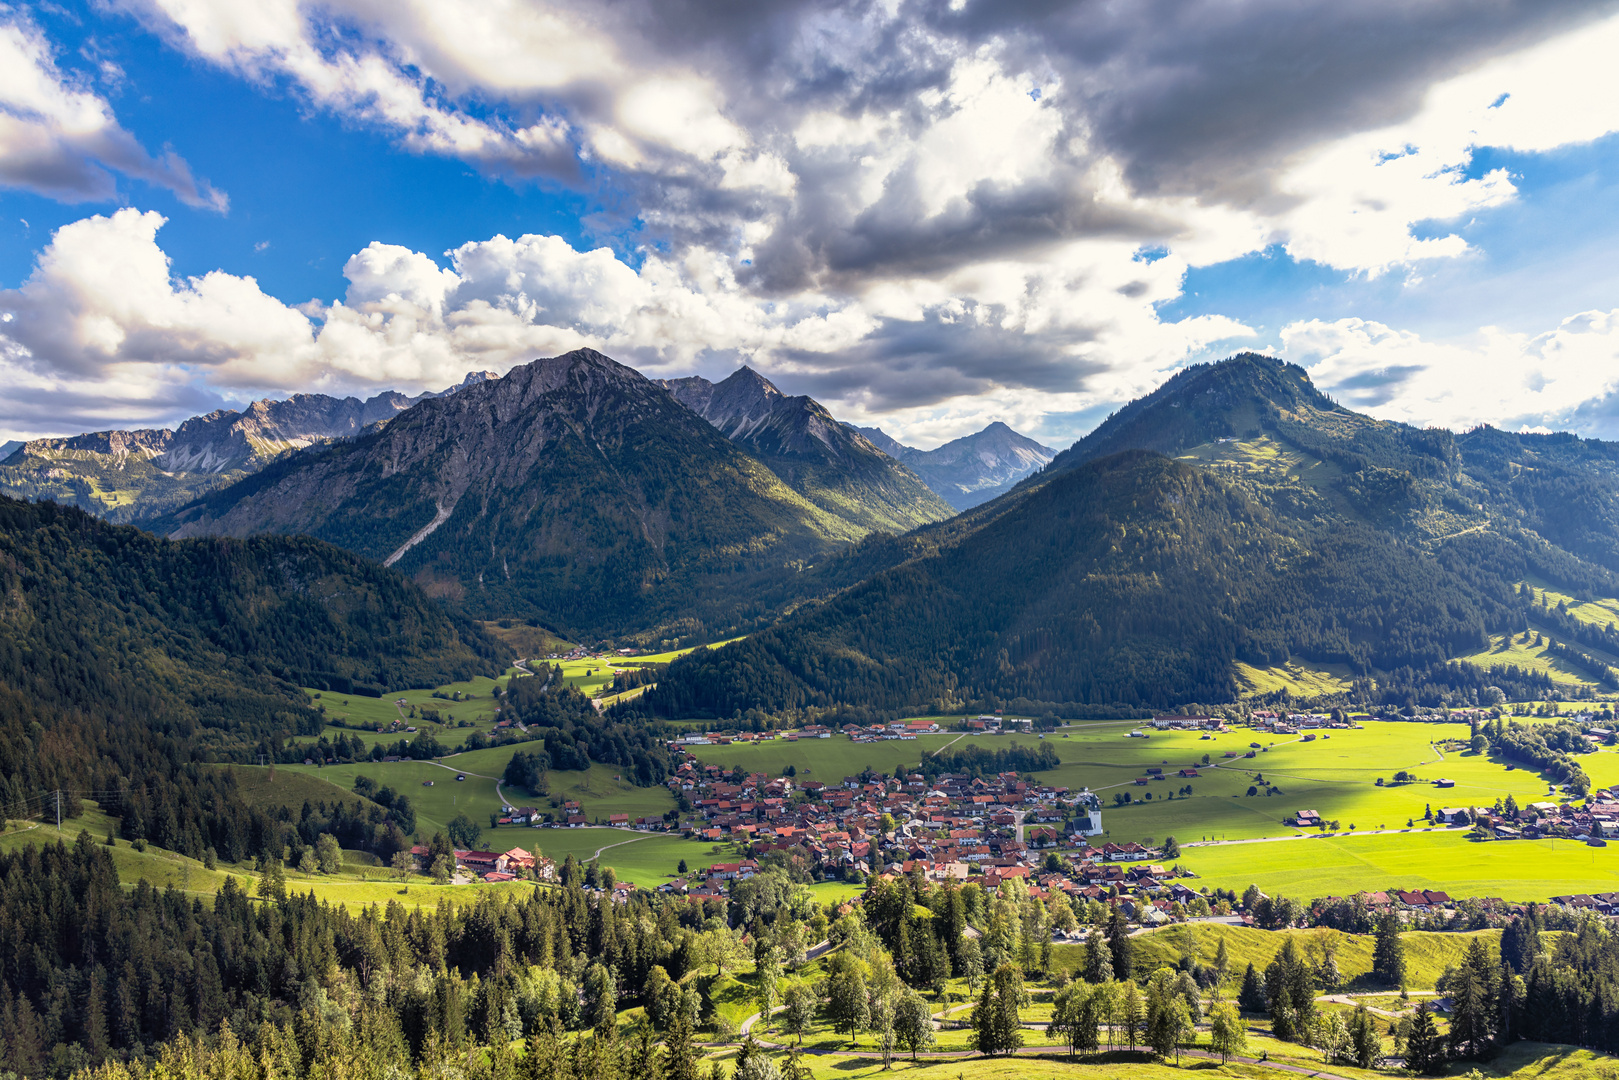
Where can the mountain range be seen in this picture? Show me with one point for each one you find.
(972, 469)
(576, 492)
(128, 475)
(1232, 522)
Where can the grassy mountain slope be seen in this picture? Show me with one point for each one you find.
(573, 491)
(1382, 550)
(830, 464)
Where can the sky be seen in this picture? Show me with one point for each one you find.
(929, 216)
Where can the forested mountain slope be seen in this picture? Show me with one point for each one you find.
(573, 490)
(830, 464)
(1119, 575)
(125, 659)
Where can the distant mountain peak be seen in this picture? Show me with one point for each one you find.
(830, 464)
(972, 469)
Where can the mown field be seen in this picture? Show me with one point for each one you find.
(830, 760)
(1517, 870)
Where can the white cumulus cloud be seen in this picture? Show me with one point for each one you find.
(61, 139)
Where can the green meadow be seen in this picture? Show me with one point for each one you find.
(434, 806)
(830, 760)
(1446, 860)
(360, 715)
(645, 859)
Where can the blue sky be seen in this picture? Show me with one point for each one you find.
(202, 203)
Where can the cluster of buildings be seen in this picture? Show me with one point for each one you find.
(1593, 823)
(494, 865)
(952, 825)
(899, 729)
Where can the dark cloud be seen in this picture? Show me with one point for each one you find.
(1192, 97)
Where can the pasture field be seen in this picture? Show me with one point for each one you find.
(1602, 767)
(667, 657)
(434, 806)
(527, 641)
(1520, 1061)
(588, 676)
(1601, 611)
(286, 787)
(830, 760)
(598, 790)
(162, 868)
(363, 715)
(1300, 680)
(359, 884)
(1515, 870)
(591, 675)
(644, 859)
(1508, 649)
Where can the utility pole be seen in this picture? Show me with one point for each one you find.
(58, 809)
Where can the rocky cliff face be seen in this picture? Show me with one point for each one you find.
(974, 468)
(573, 490)
(830, 464)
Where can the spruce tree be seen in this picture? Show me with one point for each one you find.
(1119, 943)
(1424, 1046)
(1251, 998)
(1098, 959)
(1388, 955)
(1365, 1043)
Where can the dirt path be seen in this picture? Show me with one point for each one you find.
(621, 843)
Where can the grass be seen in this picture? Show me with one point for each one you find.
(1507, 649)
(645, 860)
(829, 760)
(592, 675)
(1520, 1061)
(1109, 1066)
(1263, 455)
(434, 806)
(162, 868)
(599, 790)
(360, 715)
(1300, 680)
(1600, 611)
(668, 657)
(285, 787)
(1517, 870)
(528, 641)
